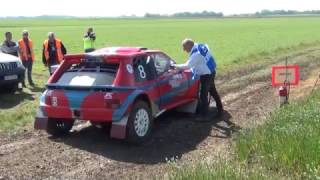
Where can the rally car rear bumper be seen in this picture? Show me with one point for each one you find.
(118, 129)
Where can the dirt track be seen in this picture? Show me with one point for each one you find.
(88, 153)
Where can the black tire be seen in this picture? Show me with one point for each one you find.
(134, 134)
(59, 127)
(198, 104)
(12, 88)
(106, 127)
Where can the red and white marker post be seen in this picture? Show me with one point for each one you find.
(284, 77)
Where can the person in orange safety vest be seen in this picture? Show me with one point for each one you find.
(26, 54)
(53, 51)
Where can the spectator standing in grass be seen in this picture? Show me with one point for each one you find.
(8, 46)
(88, 40)
(27, 55)
(53, 51)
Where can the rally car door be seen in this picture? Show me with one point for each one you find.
(173, 85)
(146, 77)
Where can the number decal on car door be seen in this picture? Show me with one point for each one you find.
(142, 72)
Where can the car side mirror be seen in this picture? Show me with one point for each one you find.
(171, 65)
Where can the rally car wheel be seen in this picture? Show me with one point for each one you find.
(58, 127)
(140, 123)
(198, 104)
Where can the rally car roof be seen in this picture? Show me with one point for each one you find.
(121, 51)
(112, 52)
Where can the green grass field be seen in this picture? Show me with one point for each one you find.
(232, 40)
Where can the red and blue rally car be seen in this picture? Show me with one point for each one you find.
(124, 88)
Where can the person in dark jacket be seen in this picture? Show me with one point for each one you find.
(53, 52)
(8, 46)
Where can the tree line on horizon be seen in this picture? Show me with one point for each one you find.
(186, 14)
(220, 14)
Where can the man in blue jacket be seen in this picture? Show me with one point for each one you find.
(203, 66)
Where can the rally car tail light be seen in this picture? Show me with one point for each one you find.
(48, 99)
(51, 100)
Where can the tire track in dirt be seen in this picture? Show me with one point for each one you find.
(89, 153)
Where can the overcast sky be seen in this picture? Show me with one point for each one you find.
(140, 7)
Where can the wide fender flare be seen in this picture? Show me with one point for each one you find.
(127, 105)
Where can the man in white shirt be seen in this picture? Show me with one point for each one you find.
(202, 64)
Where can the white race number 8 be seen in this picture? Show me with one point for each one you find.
(142, 72)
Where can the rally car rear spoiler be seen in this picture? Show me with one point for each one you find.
(107, 88)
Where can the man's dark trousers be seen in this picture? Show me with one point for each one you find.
(28, 65)
(214, 93)
(207, 85)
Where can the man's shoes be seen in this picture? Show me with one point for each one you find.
(32, 84)
(24, 85)
(201, 119)
(219, 114)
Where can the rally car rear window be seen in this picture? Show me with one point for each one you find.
(89, 75)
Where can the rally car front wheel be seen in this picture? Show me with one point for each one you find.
(58, 127)
(140, 123)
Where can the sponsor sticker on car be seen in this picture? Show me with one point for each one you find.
(175, 81)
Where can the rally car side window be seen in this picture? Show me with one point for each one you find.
(144, 69)
(161, 62)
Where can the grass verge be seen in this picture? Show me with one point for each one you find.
(286, 147)
(18, 109)
(219, 170)
(289, 143)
